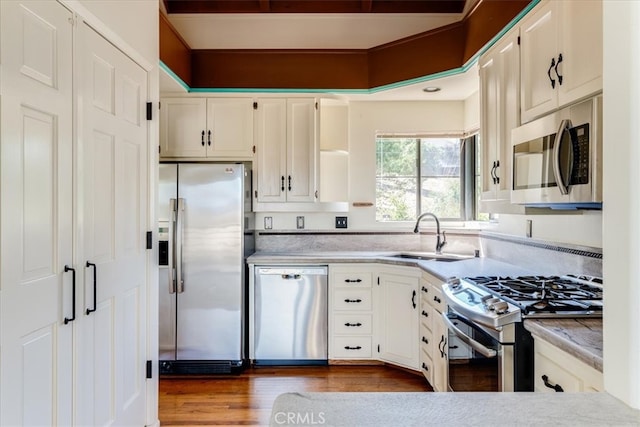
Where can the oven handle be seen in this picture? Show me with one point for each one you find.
(563, 186)
(487, 352)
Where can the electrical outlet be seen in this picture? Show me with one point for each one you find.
(268, 223)
(300, 222)
(341, 222)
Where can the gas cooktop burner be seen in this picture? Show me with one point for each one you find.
(546, 294)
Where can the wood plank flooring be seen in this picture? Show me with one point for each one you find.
(246, 399)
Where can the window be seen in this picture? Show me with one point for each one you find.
(424, 174)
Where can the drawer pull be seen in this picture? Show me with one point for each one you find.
(557, 387)
(353, 280)
(425, 367)
(425, 314)
(425, 340)
(425, 290)
(352, 300)
(436, 299)
(346, 347)
(353, 324)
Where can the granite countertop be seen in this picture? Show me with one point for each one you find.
(580, 337)
(440, 269)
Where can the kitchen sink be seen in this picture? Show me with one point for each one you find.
(432, 256)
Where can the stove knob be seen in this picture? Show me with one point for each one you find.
(491, 301)
(500, 307)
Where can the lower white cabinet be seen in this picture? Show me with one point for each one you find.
(556, 370)
(398, 316)
(351, 308)
(434, 354)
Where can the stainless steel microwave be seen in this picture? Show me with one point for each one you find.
(557, 159)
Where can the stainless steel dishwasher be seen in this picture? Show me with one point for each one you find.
(290, 315)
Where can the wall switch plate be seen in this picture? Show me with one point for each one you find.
(268, 223)
(300, 222)
(341, 222)
(529, 226)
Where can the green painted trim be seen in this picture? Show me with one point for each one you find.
(174, 76)
(471, 62)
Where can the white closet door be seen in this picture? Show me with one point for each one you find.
(113, 184)
(36, 202)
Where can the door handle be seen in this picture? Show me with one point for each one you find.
(557, 387)
(289, 188)
(202, 138)
(73, 294)
(178, 245)
(553, 64)
(556, 69)
(209, 138)
(282, 183)
(95, 287)
(413, 299)
(497, 178)
(563, 186)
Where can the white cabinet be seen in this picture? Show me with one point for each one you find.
(216, 128)
(286, 150)
(351, 312)
(398, 316)
(63, 359)
(561, 44)
(433, 333)
(500, 113)
(556, 370)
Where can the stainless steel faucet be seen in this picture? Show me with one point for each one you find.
(439, 244)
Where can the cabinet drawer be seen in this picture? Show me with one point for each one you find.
(352, 324)
(352, 280)
(426, 365)
(352, 299)
(437, 300)
(426, 316)
(351, 347)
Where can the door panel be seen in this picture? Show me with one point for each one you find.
(36, 375)
(114, 213)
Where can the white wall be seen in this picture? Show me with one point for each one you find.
(472, 112)
(621, 215)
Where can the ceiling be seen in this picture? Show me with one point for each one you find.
(284, 24)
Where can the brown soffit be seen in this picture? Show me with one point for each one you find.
(314, 6)
(440, 50)
(174, 51)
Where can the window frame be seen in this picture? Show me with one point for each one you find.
(468, 163)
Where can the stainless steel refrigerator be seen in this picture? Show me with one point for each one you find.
(202, 223)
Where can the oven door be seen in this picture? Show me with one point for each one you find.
(478, 361)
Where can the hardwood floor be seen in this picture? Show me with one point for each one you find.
(246, 399)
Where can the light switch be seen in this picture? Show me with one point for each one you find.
(268, 223)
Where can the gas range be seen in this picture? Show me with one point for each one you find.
(496, 301)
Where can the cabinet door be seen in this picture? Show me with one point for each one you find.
(271, 150)
(302, 150)
(581, 49)
(489, 109)
(230, 128)
(399, 320)
(37, 358)
(183, 127)
(440, 354)
(539, 44)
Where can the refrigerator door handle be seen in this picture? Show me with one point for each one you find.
(172, 242)
(179, 232)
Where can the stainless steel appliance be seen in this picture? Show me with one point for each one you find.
(290, 315)
(557, 159)
(486, 313)
(202, 267)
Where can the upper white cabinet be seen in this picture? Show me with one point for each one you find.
(286, 150)
(334, 151)
(500, 113)
(561, 63)
(216, 128)
(398, 316)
